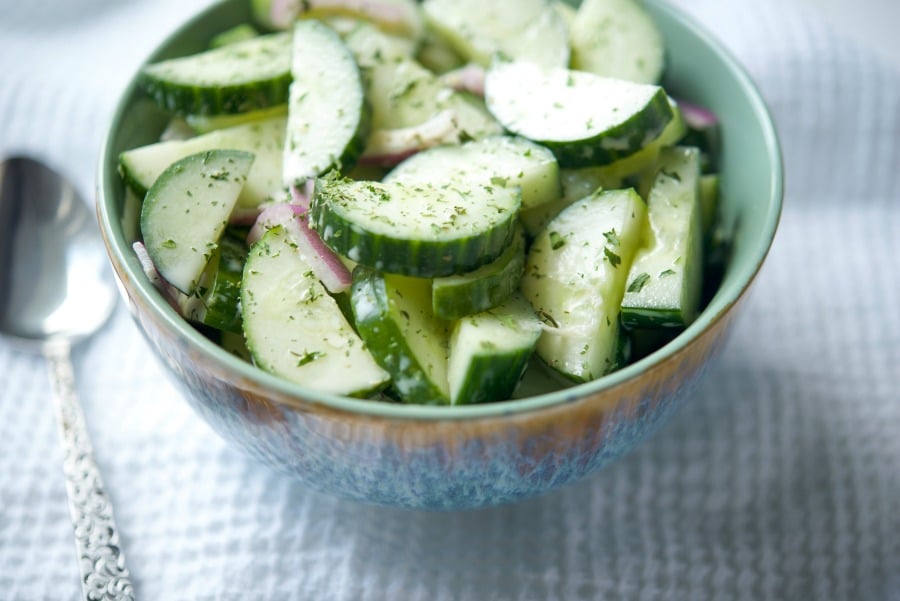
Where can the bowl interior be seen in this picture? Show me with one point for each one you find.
(699, 70)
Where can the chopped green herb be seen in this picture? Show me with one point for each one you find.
(547, 318)
(557, 240)
(638, 283)
(612, 237)
(307, 358)
(612, 257)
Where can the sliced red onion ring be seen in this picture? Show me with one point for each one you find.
(387, 147)
(696, 116)
(283, 13)
(301, 197)
(392, 15)
(469, 78)
(169, 292)
(278, 214)
(327, 266)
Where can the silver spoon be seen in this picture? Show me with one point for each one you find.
(55, 290)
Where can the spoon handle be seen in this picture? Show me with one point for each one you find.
(104, 576)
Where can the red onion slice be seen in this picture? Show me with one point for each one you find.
(169, 292)
(387, 147)
(697, 117)
(469, 78)
(327, 265)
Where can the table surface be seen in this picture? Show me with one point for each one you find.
(780, 480)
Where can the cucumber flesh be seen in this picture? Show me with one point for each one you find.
(294, 329)
(371, 46)
(202, 124)
(244, 76)
(580, 182)
(436, 55)
(493, 161)
(667, 274)
(456, 296)
(186, 211)
(401, 91)
(709, 200)
(489, 352)
(417, 230)
(216, 301)
(576, 184)
(583, 118)
(617, 38)
(141, 166)
(238, 33)
(328, 116)
(636, 165)
(396, 17)
(404, 94)
(393, 315)
(575, 278)
(530, 30)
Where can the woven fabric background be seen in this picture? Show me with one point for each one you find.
(779, 481)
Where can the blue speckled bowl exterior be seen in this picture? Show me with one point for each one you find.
(456, 458)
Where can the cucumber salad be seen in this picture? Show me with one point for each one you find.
(422, 202)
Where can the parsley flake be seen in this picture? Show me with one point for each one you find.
(638, 283)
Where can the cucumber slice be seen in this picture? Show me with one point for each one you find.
(217, 300)
(417, 230)
(575, 278)
(238, 33)
(371, 46)
(666, 277)
(328, 116)
(456, 296)
(581, 182)
(583, 118)
(203, 124)
(140, 167)
(294, 329)
(496, 160)
(436, 55)
(617, 38)
(530, 30)
(709, 200)
(644, 160)
(489, 352)
(576, 184)
(393, 315)
(401, 91)
(187, 209)
(240, 77)
(403, 94)
(398, 17)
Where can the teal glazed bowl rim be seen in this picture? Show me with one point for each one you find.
(682, 34)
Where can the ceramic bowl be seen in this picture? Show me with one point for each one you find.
(459, 457)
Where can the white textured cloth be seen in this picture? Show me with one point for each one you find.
(780, 480)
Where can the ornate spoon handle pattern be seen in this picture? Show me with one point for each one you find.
(102, 563)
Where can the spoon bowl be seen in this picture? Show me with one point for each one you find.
(47, 230)
(55, 290)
